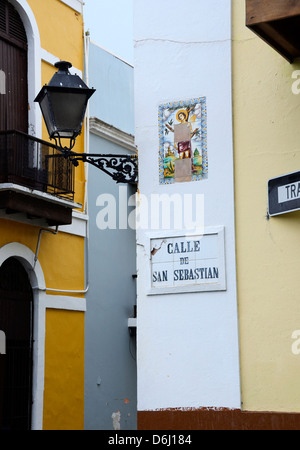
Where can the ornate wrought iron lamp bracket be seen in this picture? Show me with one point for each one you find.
(121, 168)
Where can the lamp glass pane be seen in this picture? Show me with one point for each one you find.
(47, 114)
(68, 110)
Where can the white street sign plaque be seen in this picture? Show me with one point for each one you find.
(192, 263)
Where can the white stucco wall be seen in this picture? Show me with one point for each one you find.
(187, 342)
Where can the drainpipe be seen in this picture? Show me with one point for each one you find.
(42, 230)
(87, 115)
(47, 230)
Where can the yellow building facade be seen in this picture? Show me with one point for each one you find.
(50, 249)
(266, 112)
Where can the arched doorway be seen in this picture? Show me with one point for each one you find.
(16, 321)
(13, 67)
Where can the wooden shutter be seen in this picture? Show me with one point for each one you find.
(13, 67)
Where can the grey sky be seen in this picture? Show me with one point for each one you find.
(110, 23)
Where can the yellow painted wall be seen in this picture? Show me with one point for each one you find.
(61, 256)
(64, 371)
(61, 30)
(266, 145)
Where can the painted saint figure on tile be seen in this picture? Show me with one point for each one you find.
(183, 144)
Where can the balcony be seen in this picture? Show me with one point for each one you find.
(277, 22)
(36, 181)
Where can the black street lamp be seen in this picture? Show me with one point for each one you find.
(63, 103)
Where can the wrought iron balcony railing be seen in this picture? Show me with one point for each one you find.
(36, 164)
